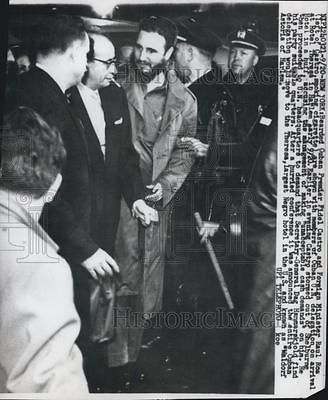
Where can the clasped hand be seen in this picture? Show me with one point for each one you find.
(199, 148)
(144, 213)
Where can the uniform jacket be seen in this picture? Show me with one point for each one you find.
(239, 124)
(39, 323)
(207, 90)
(171, 162)
(255, 347)
(236, 127)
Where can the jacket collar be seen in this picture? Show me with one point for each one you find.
(11, 210)
(43, 74)
(53, 75)
(176, 96)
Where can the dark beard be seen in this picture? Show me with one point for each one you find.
(145, 78)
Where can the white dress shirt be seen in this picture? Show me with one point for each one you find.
(92, 102)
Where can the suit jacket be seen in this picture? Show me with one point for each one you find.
(118, 173)
(77, 220)
(171, 162)
(67, 218)
(39, 323)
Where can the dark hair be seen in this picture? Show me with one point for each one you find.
(56, 32)
(163, 26)
(32, 153)
(91, 52)
(90, 57)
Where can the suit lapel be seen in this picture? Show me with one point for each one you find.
(108, 107)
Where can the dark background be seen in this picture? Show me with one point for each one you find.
(220, 17)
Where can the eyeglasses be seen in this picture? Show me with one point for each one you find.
(108, 62)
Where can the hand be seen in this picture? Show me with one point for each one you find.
(208, 229)
(145, 213)
(100, 264)
(199, 148)
(157, 192)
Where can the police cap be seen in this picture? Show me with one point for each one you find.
(248, 38)
(192, 32)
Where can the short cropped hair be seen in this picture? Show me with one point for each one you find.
(32, 153)
(163, 26)
(56, 33)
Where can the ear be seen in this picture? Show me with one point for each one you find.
(70, 53)
(73, 50)
(256, 60)
(190, 53)
(168, 53)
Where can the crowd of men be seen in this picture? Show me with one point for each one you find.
(110, 170)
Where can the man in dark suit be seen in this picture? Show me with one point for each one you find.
(101, 106)
(73, 217)
(61, 58)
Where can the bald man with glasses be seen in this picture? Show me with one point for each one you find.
(100, 105)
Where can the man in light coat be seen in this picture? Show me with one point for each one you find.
(162, 111)
(38, 320)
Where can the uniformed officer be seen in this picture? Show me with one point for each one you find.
(194, 64)
(241, 117)
(243, 111)
(193, 61)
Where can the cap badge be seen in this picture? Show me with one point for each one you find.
(241, 34)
